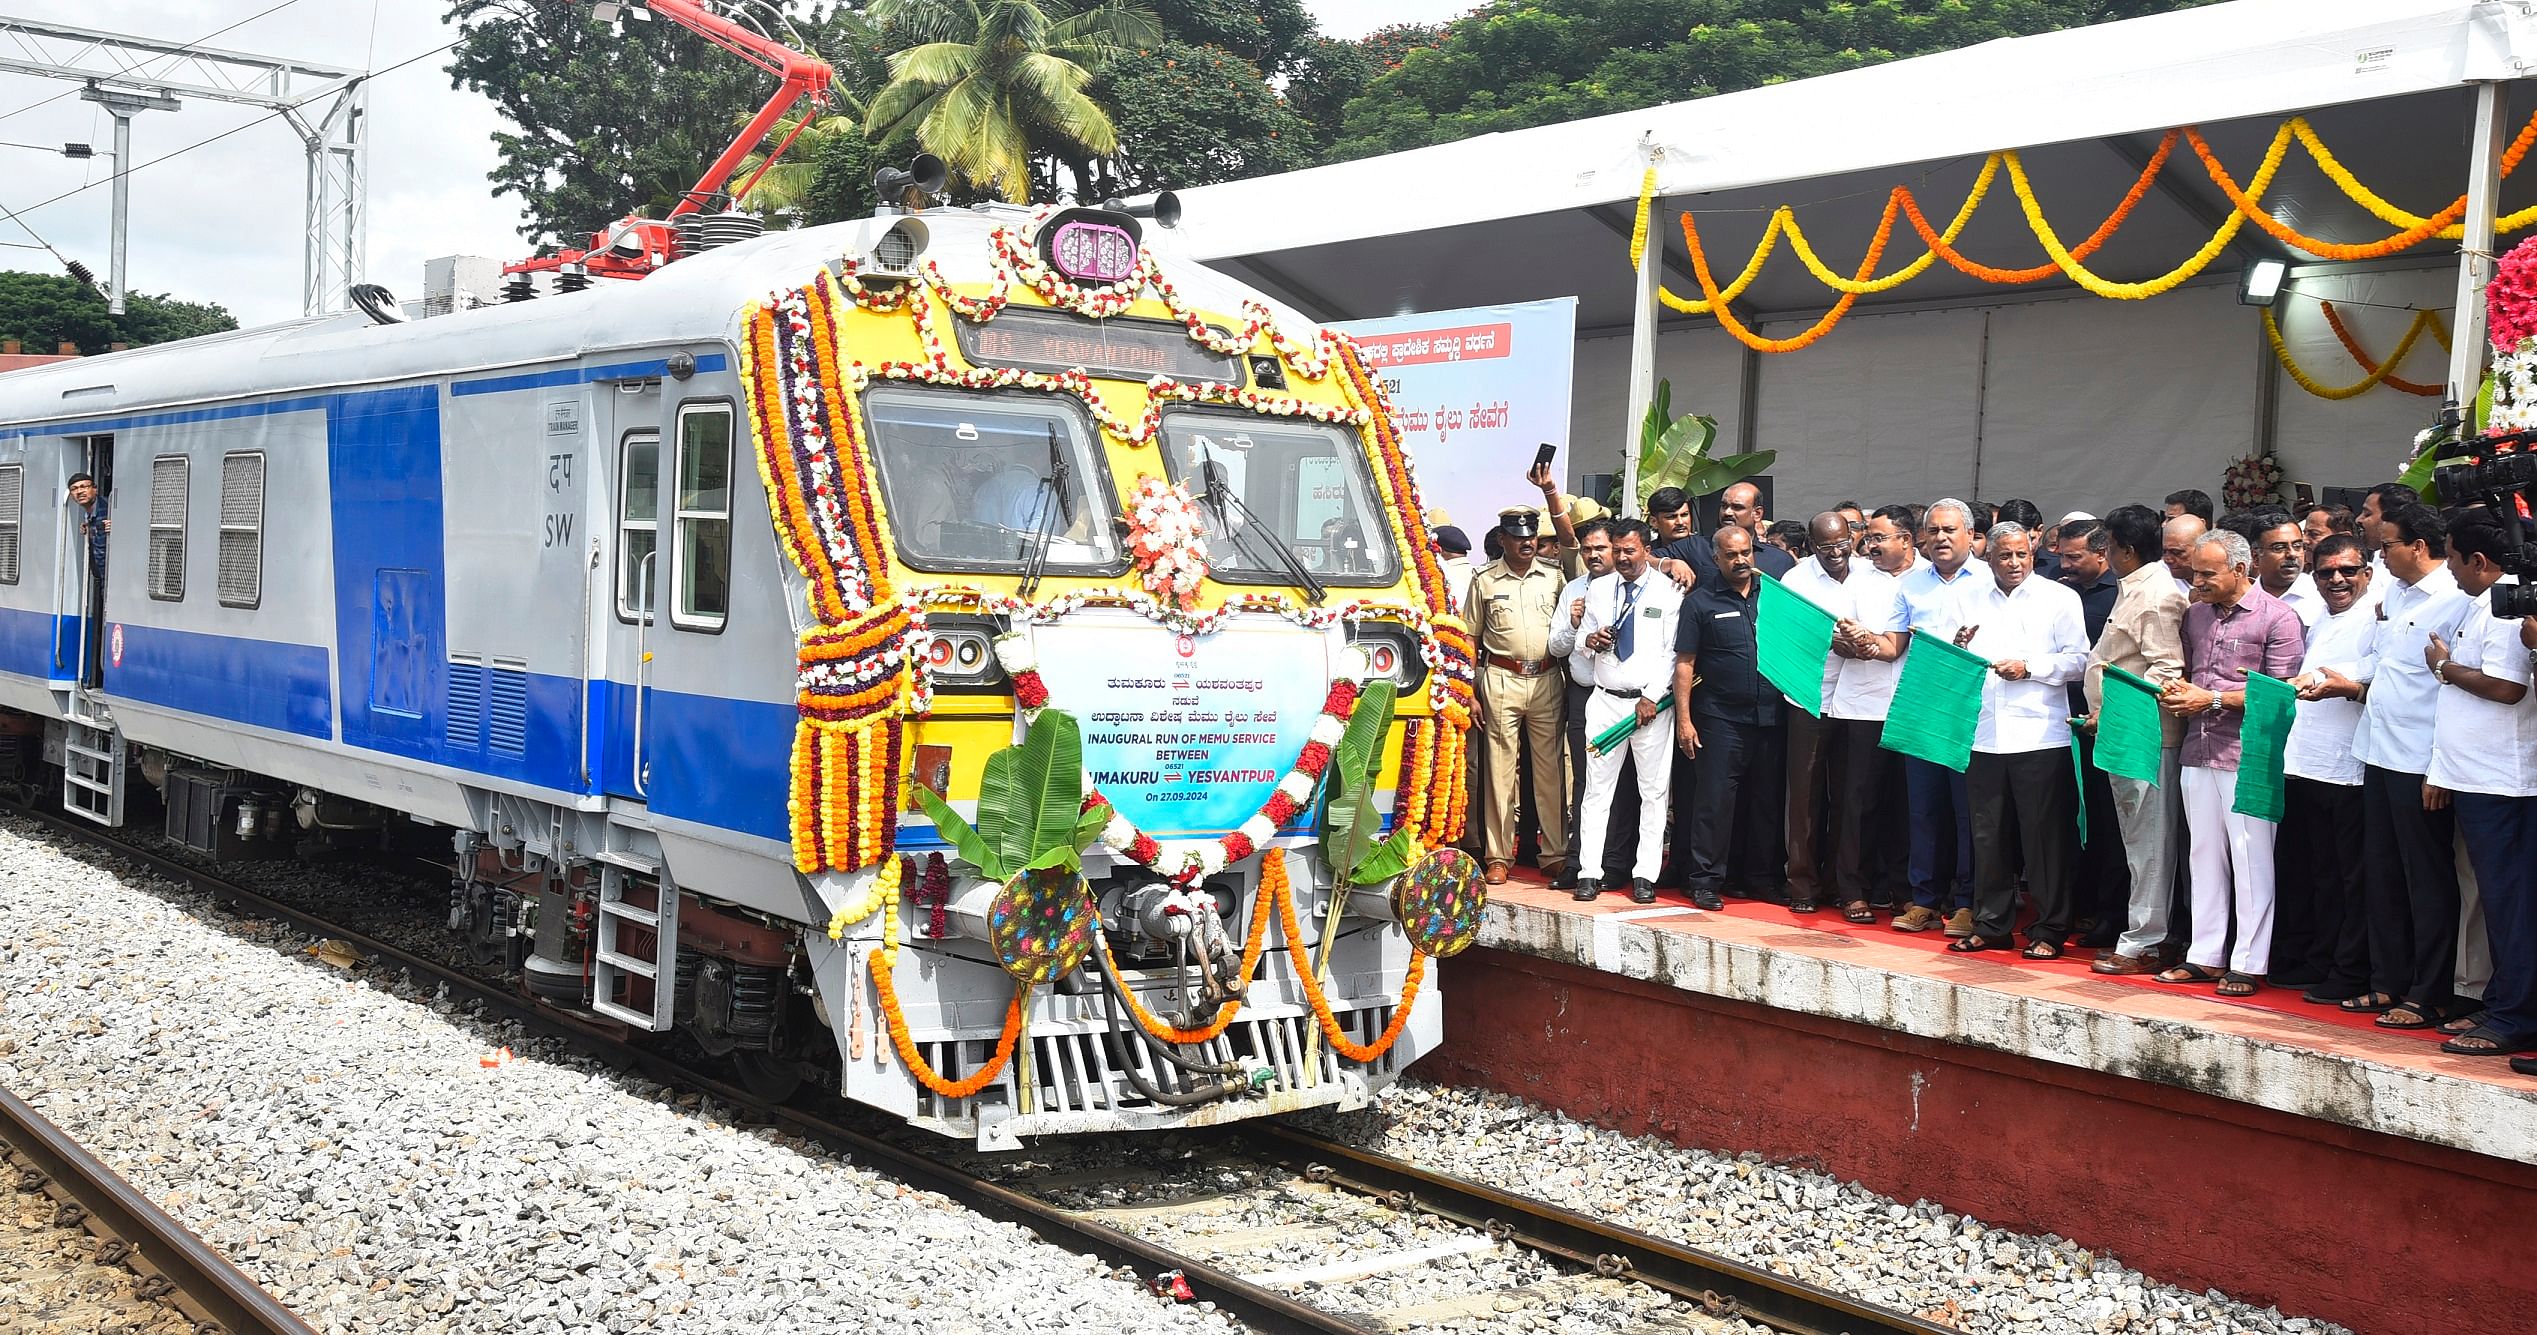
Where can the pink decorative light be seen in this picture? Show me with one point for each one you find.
(1091, 252)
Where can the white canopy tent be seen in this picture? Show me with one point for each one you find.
(1947, 383)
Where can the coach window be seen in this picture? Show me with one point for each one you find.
(242, 528)
(702, 561)
(982, 481)
(638, 523)
(168, 476)
(12, 505)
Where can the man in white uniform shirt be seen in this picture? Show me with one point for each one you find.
(1934, 594)
(2411, 886)
(2484, 765)
(1833, 760)
(2321, 935)
(2035, 637)
(1594, 543)
(1629, 632)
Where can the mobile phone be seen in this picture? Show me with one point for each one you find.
(1542, 456)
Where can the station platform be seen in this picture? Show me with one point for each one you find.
(2282, 1152)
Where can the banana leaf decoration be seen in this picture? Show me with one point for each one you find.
(1674, 452)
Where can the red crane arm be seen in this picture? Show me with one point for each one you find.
(802, 76)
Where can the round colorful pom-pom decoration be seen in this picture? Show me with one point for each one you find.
(1438, 902)
(1041, 924)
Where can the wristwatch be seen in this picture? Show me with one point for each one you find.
(2215, 706)
(2440, 672)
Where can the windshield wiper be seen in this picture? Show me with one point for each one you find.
(1056, 510)
(1219, 496)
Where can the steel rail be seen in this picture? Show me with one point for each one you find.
(1719, 1285)
(206, 1282)
(1260, 1308)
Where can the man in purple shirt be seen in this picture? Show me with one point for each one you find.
(2233, 628)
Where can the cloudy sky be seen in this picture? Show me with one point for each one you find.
(222, 222)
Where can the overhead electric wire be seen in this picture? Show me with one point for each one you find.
(171, 154)
(165, 55)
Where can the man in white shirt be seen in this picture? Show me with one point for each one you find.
(2320, 931)
(2281, 554)
(1833, 760)
(2181, 533)
(1594, 543)
(2484, 765)
(1628, 633)
(1934, 594)
(2035, 637)
(2410, 888)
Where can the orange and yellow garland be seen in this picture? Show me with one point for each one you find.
(2070, 261)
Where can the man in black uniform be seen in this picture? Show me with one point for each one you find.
(95, 525)
(1732, 727)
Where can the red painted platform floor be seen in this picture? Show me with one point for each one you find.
(2275, 1014)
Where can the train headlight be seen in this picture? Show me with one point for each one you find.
(960, 656)
(1391, 654)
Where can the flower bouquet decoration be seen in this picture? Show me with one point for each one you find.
(1166, 541)
(2252, 483)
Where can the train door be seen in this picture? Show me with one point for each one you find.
(634, 473)
(79, 568)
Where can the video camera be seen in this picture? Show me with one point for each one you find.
(2500, 473)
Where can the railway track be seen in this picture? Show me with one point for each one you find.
(1338, 1192)
(197, 1280)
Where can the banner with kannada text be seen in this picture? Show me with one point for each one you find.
(1477, 391)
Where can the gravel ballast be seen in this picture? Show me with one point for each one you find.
(1915, 1257)
(366, 1155)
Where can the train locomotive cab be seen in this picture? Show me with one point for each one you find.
(980, 661)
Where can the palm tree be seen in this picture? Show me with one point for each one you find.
(787, 185)
(988, 84)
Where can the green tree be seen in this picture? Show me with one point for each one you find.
(1521, 63)
(988, 85)
(1191, 116)
(613, 122)
(44, 310)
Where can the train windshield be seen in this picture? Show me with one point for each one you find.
(1305, 482)
(973, 481)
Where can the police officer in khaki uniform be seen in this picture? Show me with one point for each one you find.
(1521, 697)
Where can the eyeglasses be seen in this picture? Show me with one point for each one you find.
(1834, 548)
(2325, 573)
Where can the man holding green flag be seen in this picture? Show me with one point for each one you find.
(2145, 639)
(2033, 634)
(2234, 629)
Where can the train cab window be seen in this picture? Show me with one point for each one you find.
(638, 524)
(169, 474)
(701, 562)
(973, 480)
(242, 528)
(12, 511)
(1305, 481)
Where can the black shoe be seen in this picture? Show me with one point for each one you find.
(1642, 891)
(1707, 899)
(2325, 994)
(1586, 890)
(1565, 880)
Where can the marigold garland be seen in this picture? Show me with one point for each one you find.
(883, 979)
(2378, 372)
(2070, 261)
(1361, 1053)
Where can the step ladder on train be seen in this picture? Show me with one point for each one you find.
(92, 767)
(613, 958)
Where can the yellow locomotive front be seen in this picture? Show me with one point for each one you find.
(1133, 708)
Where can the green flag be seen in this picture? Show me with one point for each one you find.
(1937, 702)
(1619, 733)
(2130, 734)
(2270, 704)
(2079, 782)
(1795, 642)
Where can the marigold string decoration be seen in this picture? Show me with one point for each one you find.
(2066, 260)
(2424, 322)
